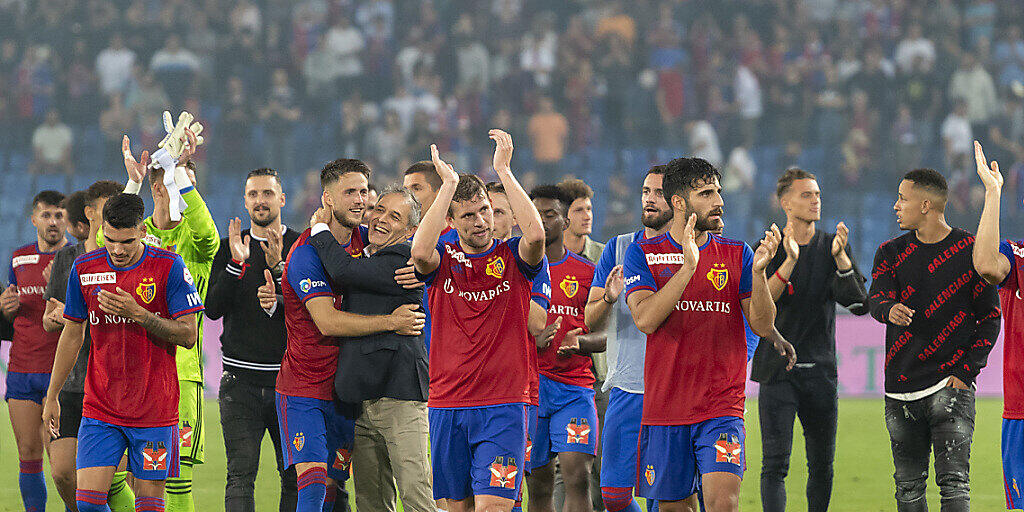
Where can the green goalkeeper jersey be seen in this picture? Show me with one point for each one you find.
(196, 240)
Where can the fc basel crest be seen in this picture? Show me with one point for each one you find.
(719, 276)
(569, 286)
(504, 475)
(154, 459)
(299, 441)
(728, 449)
(649, 474)
(146, 290)
(496, 267)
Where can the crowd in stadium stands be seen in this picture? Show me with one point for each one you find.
(857, 91)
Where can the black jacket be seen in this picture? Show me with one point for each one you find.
(806, 313)
(252, 343)
(384, 364)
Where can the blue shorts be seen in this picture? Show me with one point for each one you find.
(478, 450)
(566, 421)
(313, 430)
(1013, 463)
(27, 386)
(619, 438)
(152, 451)
(672, 458)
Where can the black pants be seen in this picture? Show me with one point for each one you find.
(945, 421)
(247, 411)
(810, 394)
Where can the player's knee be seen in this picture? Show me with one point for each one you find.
(722, 502)
(576, 478)
(540, 486)
(64, 476)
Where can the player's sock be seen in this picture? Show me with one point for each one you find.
(120, 497)
(312, 490)
(179, 491)
(91, 501)
(618, 499)
(33, 485)
(149, 504)
(330, 496)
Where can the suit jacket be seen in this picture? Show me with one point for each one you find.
(384, 364)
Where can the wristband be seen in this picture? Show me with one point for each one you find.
(132, 187)
(604, 297)
(789, 285)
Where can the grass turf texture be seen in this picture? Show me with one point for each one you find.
(863, 481)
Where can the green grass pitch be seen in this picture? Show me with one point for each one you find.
(863, 481)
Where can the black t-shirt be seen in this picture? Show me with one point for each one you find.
(956, 313)
(57, 288)
(806, 311)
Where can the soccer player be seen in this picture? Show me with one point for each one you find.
(689, 291)
(32, 348)
(83, 210)
(1000, 262)
(196, 240)
(567, 423)
(504, 221)
(479, 290)
(253, 341)
(941, 321)
(809, 277)
(625, 347)
(140, 305)
(318, 439)
(581, 220)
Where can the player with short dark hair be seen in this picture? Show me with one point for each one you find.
(32, 348)
(581, 219)
(141, 304)
(684, 288)
(941, 321)
(567, 416)
(87, 204)
(479, 289)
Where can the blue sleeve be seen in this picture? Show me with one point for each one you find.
(747, 272)
(1007, 250)
(752, 339)
(541, 290)
(429, 278)
(182, 297)
(528, 271)
(74, 302)
(605, 264)
(306, 274)
(12, 278)
(636, 274)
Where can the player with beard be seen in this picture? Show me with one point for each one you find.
(479, 289)
(1001, 262)
(253, 341)
(809, 277)
(32, 347)
(315, 434)
(684, 288)
(567, 425)
(625, 349)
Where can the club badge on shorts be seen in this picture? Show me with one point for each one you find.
(154, 459)
(299, 441)
(728, 449)
(504, 475)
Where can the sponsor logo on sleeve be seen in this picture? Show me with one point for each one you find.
(187, 276)
(630, 280)
(25, 259)
(98, 278)
(308, 284)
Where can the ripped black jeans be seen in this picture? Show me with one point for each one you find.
(943, 421)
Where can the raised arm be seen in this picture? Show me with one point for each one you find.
(760, 309)
(531, 247)
(225, 277)
(991, 265)
(605, 288)
(649, 306)
(424, 243)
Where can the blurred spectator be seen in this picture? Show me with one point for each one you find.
(972, 84)
(115, 122)
(747, 91)
(548, 131)
(914, 46)
(147, 100)
(345, 43)
(51, 146)
(174, 66)
(236, 124)
(114, 66)
(957, 137)
(279, 116)
(703, 141)
(538, 55)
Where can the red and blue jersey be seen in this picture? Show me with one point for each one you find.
(1012, 302)
(571, 278)
(310, 358)
(696, 361)
(132, 378)
(32, 348)
(479, 303)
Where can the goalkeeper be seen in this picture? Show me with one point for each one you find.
(194, 237)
